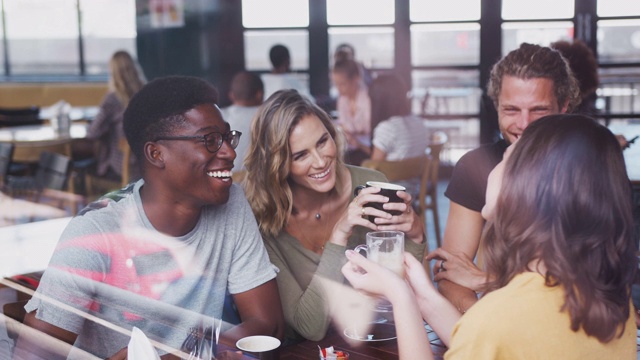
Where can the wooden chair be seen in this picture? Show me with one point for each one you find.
(97, 185)
(48, 185)
(29, 153)
(408, 169)
(6, 154)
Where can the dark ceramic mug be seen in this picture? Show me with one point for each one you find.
(386, 189)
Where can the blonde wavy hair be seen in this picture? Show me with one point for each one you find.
(268, 160)
(126, 78)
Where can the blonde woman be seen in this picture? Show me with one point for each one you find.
(125, 79)
(301, 193)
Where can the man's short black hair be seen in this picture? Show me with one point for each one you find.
(158, 108)
(245, 86)
(279, 55)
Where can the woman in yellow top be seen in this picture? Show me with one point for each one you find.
(559, 252)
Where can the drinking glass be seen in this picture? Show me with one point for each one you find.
(385, 248)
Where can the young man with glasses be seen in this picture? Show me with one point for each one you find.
(161, 253)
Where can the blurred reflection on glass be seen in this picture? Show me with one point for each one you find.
(618, 8)
(456, 10)
(107, 26)
(445, 44)
(440, 96)
(539, 9)
(538, 33)
(618, 92)
(618, 41)
(360, 12)
(42, 36)
(275, 13)
(374, 45)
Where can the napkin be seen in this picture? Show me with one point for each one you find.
(140, 347)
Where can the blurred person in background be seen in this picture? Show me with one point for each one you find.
(354, 110)
(125, 79)
(246, 94)
(281, 76)
(397, 134)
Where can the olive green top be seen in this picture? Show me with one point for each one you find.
(306, 310)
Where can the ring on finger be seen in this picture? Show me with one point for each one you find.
(441, 268)
(362, 210)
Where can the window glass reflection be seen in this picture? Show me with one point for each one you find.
(456, 44)
(618, 41)
(618, 92)
(257, 44)
(456, 10)
(360, 12)
(539, 9)
(374, 46)
(275, 13)
(539, 33)
(448, 92)
(618, 8)
(42, 36)
(107, 26)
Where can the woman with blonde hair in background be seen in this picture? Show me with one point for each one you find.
(125, 79)
(559, 252)
(301, 193)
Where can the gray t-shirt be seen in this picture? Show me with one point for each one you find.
(111, 263)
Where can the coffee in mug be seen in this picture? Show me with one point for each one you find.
(386, 189)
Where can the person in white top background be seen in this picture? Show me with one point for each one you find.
(246, 94)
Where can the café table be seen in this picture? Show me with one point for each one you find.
(365, 350)
(31, 140)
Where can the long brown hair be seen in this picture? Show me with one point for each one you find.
(268, 159)
(565, 200)
(126, 77)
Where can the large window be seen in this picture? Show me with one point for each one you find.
(279, 27)
(43, 37)
(445, 57)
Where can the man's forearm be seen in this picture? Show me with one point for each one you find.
(461, 297)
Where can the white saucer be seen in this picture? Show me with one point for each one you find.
(257, 343)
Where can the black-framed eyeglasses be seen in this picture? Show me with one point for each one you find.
(212, 141)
